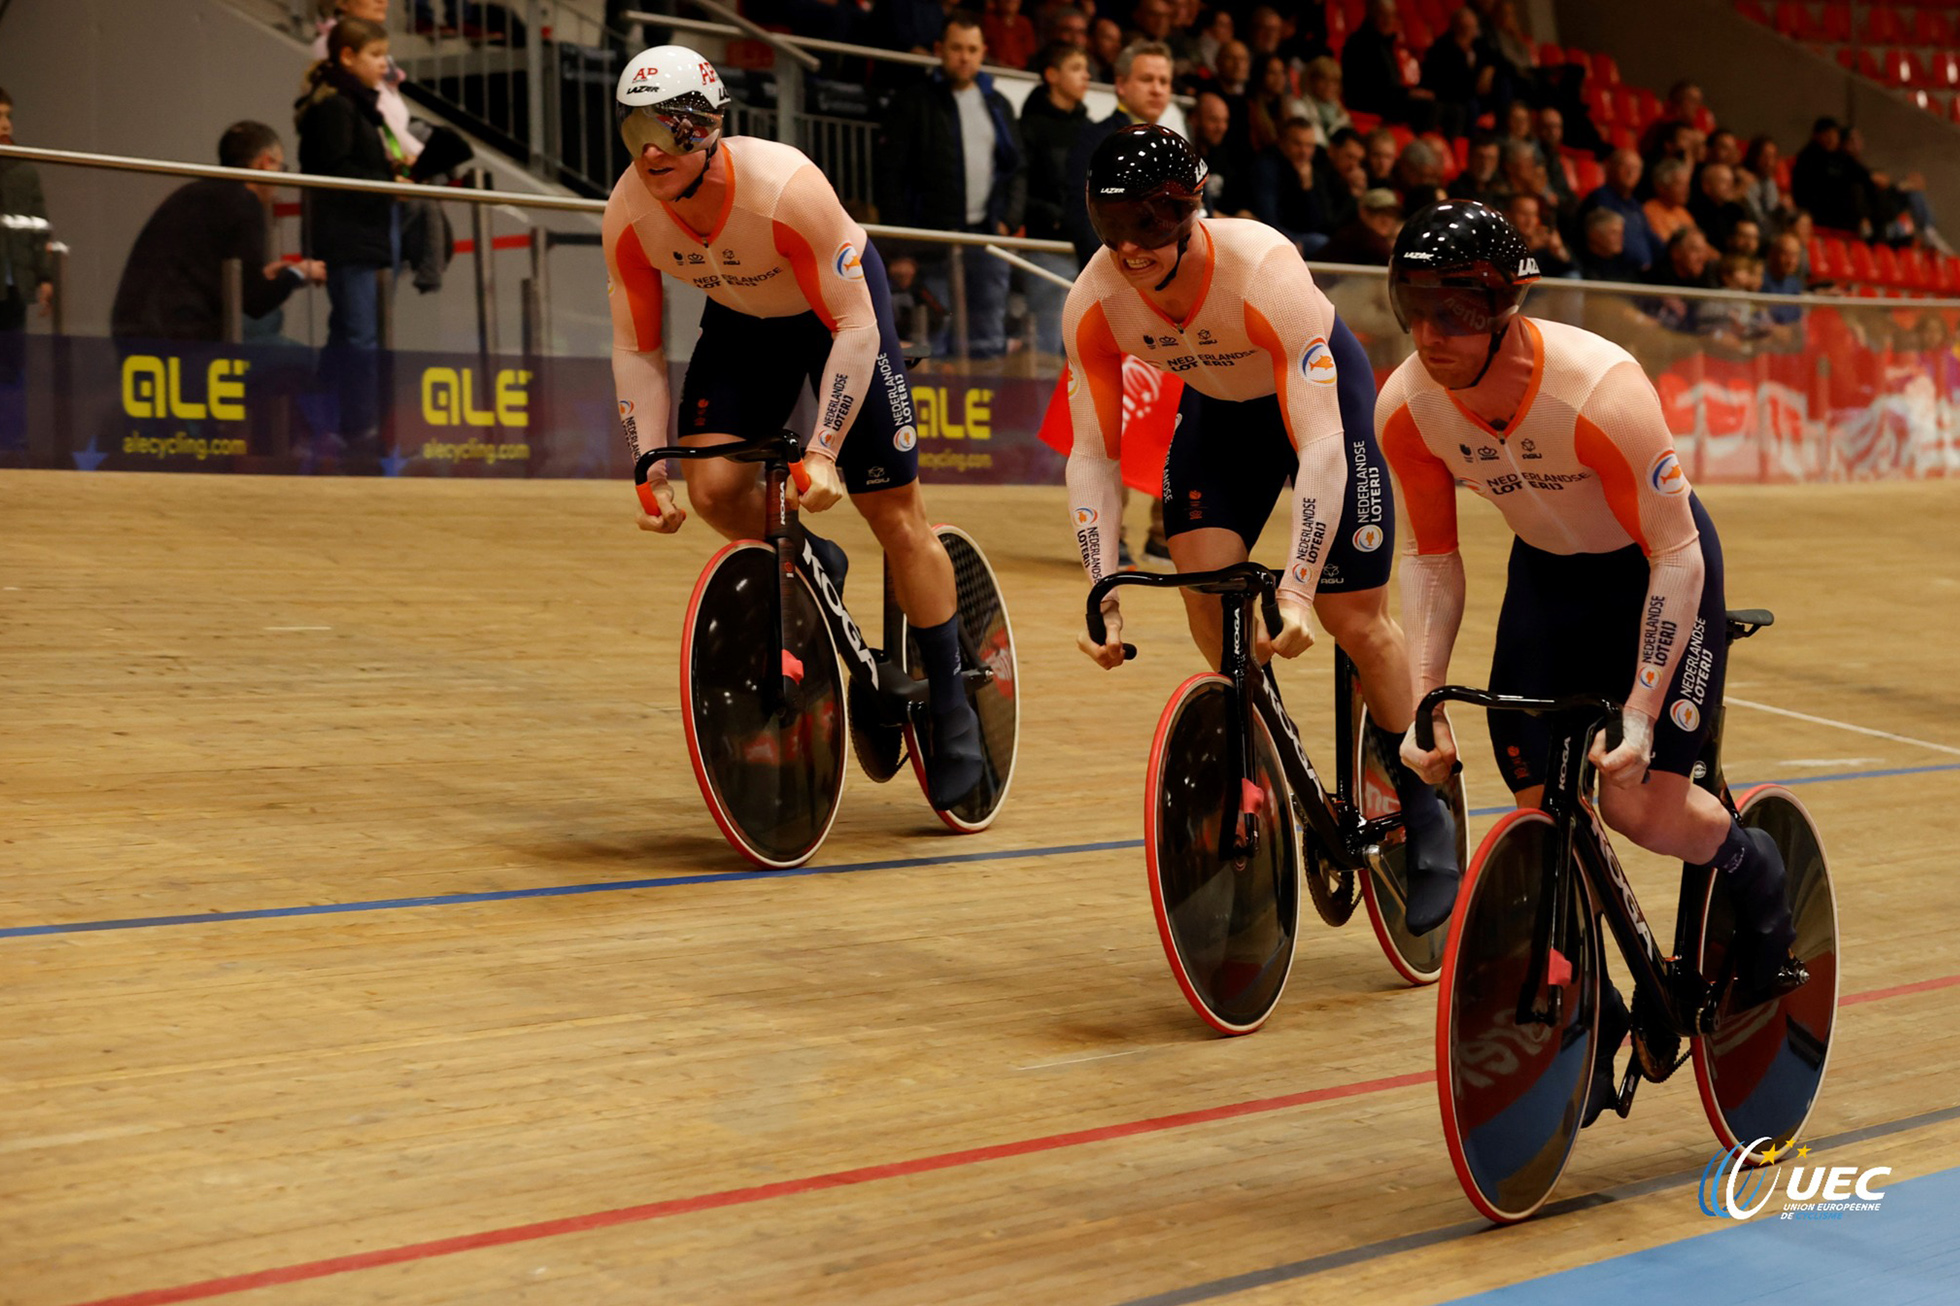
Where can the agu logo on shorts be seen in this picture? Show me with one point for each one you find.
(1368, 538)
(904, 438)
(1665, 474)
(1685, 714)
(846, 262)
(1085, 517)
(1317, 362)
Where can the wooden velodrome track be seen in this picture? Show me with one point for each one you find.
(941, 1069)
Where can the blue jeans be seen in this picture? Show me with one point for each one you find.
(986, 301)
(354, 337)
(1045, 300)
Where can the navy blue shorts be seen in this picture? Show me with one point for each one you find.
(1229, 461)
(748, 373)
(1571, 625)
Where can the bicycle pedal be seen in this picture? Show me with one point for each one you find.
(1629, 1084)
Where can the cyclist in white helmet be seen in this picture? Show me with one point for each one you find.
(797, 298)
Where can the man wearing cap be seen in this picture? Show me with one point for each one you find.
(1370, 234)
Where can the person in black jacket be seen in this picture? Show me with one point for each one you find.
(172, 285)
(1051, 120)
(1143, 92)
(341, 134)
(1372, 71)
(950, 160)
(1829, 182)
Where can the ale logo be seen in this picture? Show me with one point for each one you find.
(449, 398)
(154, 387)
(1734, 1189)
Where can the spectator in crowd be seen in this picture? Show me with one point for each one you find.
(1827, 181)
(1519, 169)
(1069, 24)
(1008, 34)
(26, 267)
(1323, 98)
(1287, 192)
(1228, 162)
(1418, 176)
(1105, 47)
(1143, 94)
(1684, 103)
(1265, 31)
(1379, 74)
(1543, 239)
(1214, 36)
(1757, 186)
(1559, 172)
(1623, 169)
(172, 285)
(1714, 207)
(1479, 179)
(1745, 239)
(1234, 77)
(1685, 265)
(1458, 71)
(950, 160)
(1603, 257)
(1900, 212)
(1678, 142)
(355, 234)
(1379, 154)
(394, 109)
(1784, 276)
(1368, 239)
(1668, 211)
(1272, 102)
(1344, 174)
(1152, 20)
(1736, 321)
(1520, 129)
(1508, 41)
(1051, 120)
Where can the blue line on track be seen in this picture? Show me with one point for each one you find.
(722, 877)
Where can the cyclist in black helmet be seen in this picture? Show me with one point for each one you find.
(1275, 388)
(1615, 585)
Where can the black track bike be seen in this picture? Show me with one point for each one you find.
(1518, 1008)
(767, 709)
(1235, 815)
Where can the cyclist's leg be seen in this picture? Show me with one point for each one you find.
(1218, 492)
(726, 397)
(880, 466)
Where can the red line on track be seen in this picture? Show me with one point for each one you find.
(816, 1183)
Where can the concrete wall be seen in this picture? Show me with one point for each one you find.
(162, 79)
(1756, 81)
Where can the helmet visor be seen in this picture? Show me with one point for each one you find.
(1452, 310)
(667, 130)
(1151, 222)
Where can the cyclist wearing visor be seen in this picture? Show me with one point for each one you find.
(796, 301)
(1615, 584)
(1276, 389)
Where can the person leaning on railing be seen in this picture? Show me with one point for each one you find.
(172, 285)
(26, 267)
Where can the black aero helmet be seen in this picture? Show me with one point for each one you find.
(1460, 266)
(1146, 185)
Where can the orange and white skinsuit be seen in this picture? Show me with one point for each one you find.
(1586, 468)
(1260, 327)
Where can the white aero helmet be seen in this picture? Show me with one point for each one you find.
(670, 97)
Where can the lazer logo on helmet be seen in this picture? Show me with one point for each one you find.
(1527, 267)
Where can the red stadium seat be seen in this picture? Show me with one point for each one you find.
(1591, 174)
(1651, 108)
(1864, 267)
(1460, 151)
(1603, 67)
(1820, 258)
(1550, 56)
(1898, 70)
(1793, 21)
(1364, 122)
(1402, 136)
(1947, 281)
(1848, 57)
(1944, 69)
(1417, 33)
(1868, 65)
(1882, 26)
(1783, 168)
(1915, 273)
(1885, 266)
(1337, 28)
(1600, 104)
(1836, 262)
(1624, 138)
(1704, 120)
(1754, 12)
(1836, 23)
(1929, 27)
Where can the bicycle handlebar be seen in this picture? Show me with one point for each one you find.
(1435, 698)
(1240, 578)
(783, 447)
